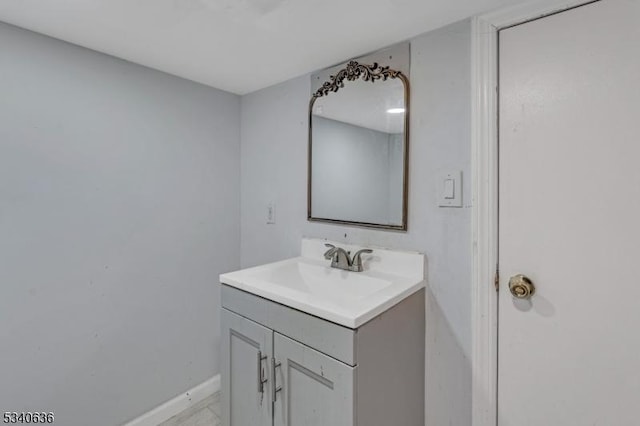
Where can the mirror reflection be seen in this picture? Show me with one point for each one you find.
(358, 142)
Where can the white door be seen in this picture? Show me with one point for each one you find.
(570, 218)
(315, 389)
(247, 348)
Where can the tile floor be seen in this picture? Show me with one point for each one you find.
(204, 413)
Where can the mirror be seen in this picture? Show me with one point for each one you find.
(358, 148)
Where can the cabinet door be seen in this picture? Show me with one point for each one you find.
(247, 348)
(316, 390)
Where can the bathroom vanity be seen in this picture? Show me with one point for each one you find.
(307, 344)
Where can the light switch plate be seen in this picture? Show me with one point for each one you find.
(450, 189)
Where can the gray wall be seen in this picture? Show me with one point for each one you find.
(119, 207)
(273, 158)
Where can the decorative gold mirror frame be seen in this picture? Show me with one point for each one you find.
(374, 72)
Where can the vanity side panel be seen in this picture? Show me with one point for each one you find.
(391, 367)
(324, 336)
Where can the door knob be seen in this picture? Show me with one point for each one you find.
(521, 287)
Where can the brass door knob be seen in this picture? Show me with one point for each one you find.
(521, 287)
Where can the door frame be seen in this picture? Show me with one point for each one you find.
(484, 192)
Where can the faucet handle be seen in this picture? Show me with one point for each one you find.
(356, 263)
(329, 253)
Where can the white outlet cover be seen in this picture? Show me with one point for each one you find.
(271, 213)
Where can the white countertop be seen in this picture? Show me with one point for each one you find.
(309, 284)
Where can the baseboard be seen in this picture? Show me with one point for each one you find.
(178, 404)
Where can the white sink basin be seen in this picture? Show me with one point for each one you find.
(323, 281)
(309, 284)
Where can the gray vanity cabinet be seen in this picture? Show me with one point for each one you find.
(319, 388)
(283, 367)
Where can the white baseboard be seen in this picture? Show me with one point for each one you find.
(178, 404)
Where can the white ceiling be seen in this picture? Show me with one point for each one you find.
(238, 45)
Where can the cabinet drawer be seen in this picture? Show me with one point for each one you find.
(329, 338)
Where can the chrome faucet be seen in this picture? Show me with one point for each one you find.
(340, 258)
